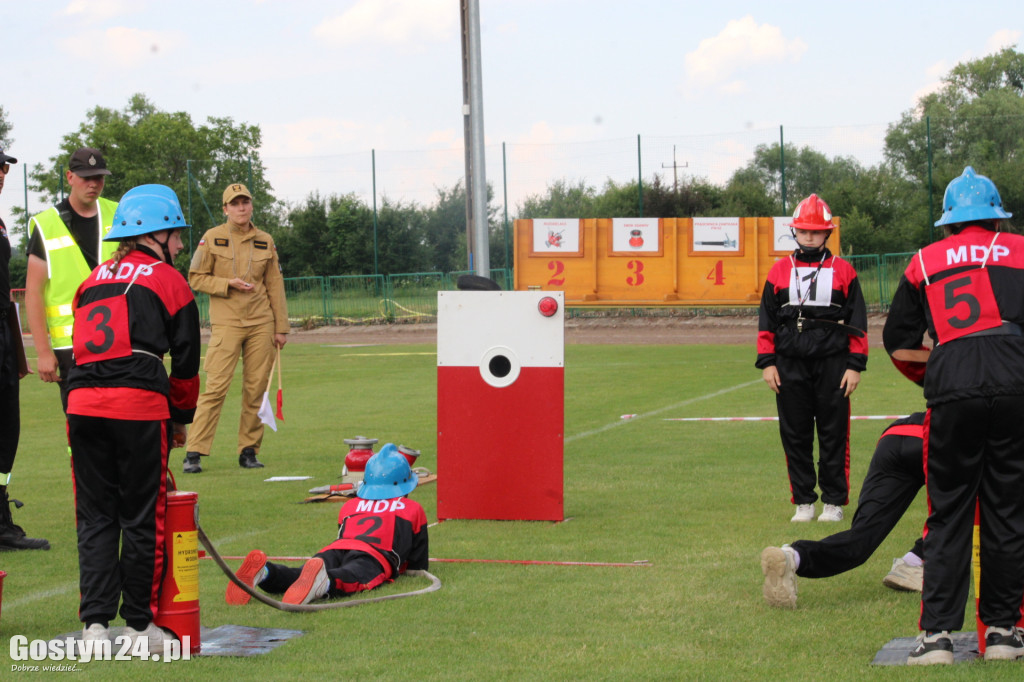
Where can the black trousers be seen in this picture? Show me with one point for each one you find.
(349, 571)
(120, 472)
(894, 477)
(974, 450)
(10, 410)
(65, 361)
(809, 397)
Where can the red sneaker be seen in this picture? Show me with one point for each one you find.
(247, 572)
(313, 583)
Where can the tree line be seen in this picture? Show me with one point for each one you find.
(975, 118)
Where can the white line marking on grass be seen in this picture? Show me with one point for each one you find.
(380, 355)
(660, 410)
(233, 538)
(349, 345)
(45, 594)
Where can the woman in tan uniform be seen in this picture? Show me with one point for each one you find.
(236, 264)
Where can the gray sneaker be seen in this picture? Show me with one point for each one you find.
(1003, 644)
(932, 649)
(779, 567)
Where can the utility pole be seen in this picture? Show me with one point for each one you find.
(675, 166)
(477, 245)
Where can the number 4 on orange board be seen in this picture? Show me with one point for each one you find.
(717, 274)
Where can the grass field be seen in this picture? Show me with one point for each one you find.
(697, 500)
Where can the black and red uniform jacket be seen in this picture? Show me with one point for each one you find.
(843, 301)
(125, 321)
(392, 531)
(974, 318)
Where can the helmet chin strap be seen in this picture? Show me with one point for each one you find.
(163, 246)
(810, 249)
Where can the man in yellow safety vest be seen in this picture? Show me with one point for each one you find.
(65, 244)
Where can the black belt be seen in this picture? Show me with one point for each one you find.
(1005, 329)
(810, 323)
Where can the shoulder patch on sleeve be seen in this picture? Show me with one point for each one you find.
(202, 242)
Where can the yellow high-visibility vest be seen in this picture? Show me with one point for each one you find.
(66, 268)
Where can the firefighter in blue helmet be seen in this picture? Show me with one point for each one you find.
(966, 292)
(125, 412)
(381, 534)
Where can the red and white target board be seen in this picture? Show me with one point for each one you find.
(500, 405)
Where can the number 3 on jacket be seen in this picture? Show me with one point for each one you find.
(101, 331)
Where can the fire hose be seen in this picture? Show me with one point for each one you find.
(435, 585)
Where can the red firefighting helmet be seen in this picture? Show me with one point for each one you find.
(812, 214)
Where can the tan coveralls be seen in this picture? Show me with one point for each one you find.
(242, 322)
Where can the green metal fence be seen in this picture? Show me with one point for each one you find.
(307, 301)
(363, 299)
(412, 297)
(893, 265)
(356, 299)
(869, 272)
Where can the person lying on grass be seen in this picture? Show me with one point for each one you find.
(381, 534)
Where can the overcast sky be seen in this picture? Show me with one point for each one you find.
(568, 84)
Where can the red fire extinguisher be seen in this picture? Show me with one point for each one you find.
(976, 571)
(178, 609)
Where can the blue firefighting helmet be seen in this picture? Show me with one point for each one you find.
(971, 197)
(387, 475)
(146, 209)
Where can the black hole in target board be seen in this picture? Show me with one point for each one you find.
(499, 366)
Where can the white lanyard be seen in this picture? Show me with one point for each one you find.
(814, 278)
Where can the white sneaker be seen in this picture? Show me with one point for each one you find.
(904, 577)
(831, 512)
(804, 512)
(95, 643)
(153, 633)
(95, 633)
(779, 567)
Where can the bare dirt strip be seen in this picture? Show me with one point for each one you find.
(734, 330)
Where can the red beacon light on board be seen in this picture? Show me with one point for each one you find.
(547, 306)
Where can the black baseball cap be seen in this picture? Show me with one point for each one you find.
(5, 158)
(87, 162)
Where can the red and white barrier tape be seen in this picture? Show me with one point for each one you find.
(641, 562)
